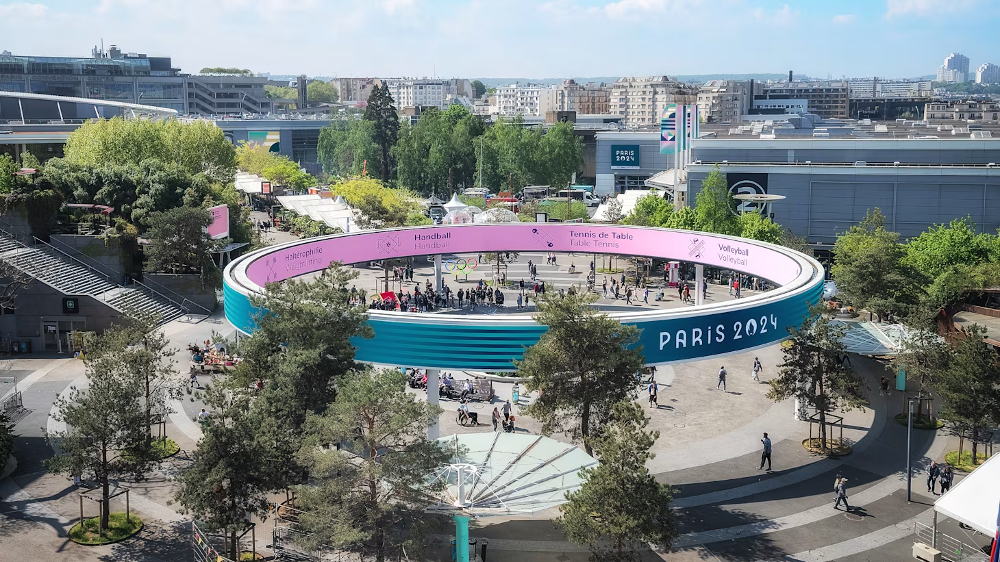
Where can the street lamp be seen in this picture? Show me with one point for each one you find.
(909, 432)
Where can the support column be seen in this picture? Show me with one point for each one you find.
(699, 283)
(433, 381)
(437, 273)
(461, 538)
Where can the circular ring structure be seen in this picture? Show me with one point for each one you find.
(492, 342)
(459, 265)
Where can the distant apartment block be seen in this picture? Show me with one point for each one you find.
(571, 96)
(725, 101)
(407, 92)
(954, 69)
(962, 111)
(828, 98)
(352, 91)
(988, 73)
(518, 99)
(640, 100)
(865, 88)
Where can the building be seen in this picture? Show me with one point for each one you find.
(353, 91)
(954, 69)
(641, 100)
(593, 99)
(133, 78)
(828, 99)
(779, 107)
(518, 99)
(988, 73)
(962, 111)
(871, 88)
(725, 101)
(587, 99)
(409, 92)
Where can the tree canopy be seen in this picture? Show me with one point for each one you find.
(582, 365)
(257, 159)
(180, 244)
(225, 71)
(377, 205)
(715, 207)
(320, 91)
(348, 148)
(381, 113)
(438, 153)
(478, 89)
(970, 386)
(941, 247)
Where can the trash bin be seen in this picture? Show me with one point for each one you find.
(484, 543)
(454, 552)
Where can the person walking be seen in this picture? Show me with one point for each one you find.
(519, 301)
(194, 377)
(933, 473)
(756, 369)
(722, 379)
(605, 287)
(628, 295)
(652, 394)
(496, 418)
(947, 476)
(842, 494)
(765, 455)
(884, 387)
(645, 296)
(730, 284)
(506, 410)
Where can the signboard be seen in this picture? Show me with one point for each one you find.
(270, 139)
(624, 156)
(71, 305)
(265, 187)
(755, 184)
(219, 227)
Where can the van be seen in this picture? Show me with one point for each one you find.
(580, 195)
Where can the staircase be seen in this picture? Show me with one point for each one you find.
(72, 277)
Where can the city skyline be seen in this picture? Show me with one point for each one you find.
(460, 38)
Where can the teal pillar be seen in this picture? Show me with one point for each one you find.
(901, 381)
(462, 538)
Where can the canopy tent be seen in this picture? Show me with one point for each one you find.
(334, 212)
(249, 183)
(454, 204)
(628, 199)
(975, 500)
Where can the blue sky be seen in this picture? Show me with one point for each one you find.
(518, 38)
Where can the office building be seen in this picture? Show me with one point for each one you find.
(954, 69)
(640, 100)
(517, 99)
(988, 73)
(870, 88)
(114, 75)
(588, 98)
(827, 98)
(352, 91)
(725, 101)
(410, 92)
(961, 111)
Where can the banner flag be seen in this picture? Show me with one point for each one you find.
(668, 141)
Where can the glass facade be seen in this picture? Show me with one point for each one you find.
(119, 91)
(56, 86)
(10, 84)
(161, 90)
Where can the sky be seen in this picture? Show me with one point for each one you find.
(518, 38)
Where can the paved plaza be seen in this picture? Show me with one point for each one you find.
(708, 451)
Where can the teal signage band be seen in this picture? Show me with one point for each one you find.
(493, 342)
(624, 156)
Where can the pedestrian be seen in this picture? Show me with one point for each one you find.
(519, 301)
(680, 292)
(884, 386)
(521, 284)
(756, 369)
(652, 394)
(496, 418)
(737, 288)
(605, 287)
(730, 284)
(946, 478)
(645, 296)
(194, 377)
(933, 473)
(461, 297)
(506, 410)
(765, 455)
(628, 295)
(722, 379)
(202, 416)
(842, 494)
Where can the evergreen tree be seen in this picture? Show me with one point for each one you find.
(583, 364)
(180, 244)
(369, 460)
(814, 370)
(382, 114)
(970, 387)
(620, 507)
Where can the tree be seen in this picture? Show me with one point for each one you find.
(925, 355)
(108, 424)
(755, 226)
(582, 365)
(321, 92)
(180, 244)
(620, 507)
(281, 92)
(478, 89)
(970, 387)
(650, 210)
(943, 246)
(226, 71)
(227, 481)
(869, 268)
(369, 460)
(7, 170)
(509, 156)
(257, 159)
(381, 113)
(613, 212)
(438, 152)
(301, 366)
(560, 155)
(6, 437)
(684, 218)
(814, 370)
(715, 207)
(375, 204)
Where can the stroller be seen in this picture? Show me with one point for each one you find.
(508, 424)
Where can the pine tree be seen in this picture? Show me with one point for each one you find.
(382, 113)
(620, 507)
(970, 387)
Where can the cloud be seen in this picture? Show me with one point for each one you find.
(782, 16)
(390, 6)
(897, 8)
(844, 19)
(23, 9)
(638, 9)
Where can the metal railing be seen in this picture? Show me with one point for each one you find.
(952, 549)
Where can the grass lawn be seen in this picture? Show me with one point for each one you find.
(161, 448)
(921, 422)
(965, 463)
(118, 529)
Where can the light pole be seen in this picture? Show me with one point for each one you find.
(909, 432)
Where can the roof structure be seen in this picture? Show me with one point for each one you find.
(975, 500)
(334, 212)
(503, 473)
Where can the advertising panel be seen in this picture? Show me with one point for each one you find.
(624, 156)
(219, 227)
(755, 184)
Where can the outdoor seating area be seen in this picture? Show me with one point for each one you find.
(211, 358)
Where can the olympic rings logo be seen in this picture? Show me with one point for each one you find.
(461, 265)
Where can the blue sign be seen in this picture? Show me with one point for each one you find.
(624, 156)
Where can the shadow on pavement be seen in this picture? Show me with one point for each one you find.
(157, 541)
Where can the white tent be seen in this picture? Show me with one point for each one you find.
(334, 212)
(975, 500)
(454, 204)
(628, 201)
